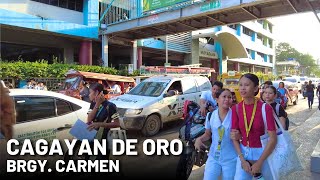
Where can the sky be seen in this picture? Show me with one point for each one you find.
(301, 31)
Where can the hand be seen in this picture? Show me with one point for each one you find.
(99, 98)
(256, 168)
(94, 125)
(199, 145)
(246, 166)
(235, 134)
(203, 111)
(211, 108)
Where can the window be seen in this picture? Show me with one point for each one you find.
(75, 107)
(203, 84)
(34, 108)
(63, 107)
(247, 31)
(76, 5)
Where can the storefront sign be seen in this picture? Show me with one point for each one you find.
(157, 4)
(145, 70)
(210, 5)
(208, 54)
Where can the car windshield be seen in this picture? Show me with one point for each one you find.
(231, 81)
(303, 79)
(149, 88)
(71, 83)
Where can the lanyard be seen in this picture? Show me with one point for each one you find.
(221, 132)
(100, 109)
(251, 120)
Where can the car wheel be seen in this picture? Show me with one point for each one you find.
(296, 101)
(152, 125)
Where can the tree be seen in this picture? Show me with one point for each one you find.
(284, 51)
(307, 63)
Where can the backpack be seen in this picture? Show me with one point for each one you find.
(287, 119)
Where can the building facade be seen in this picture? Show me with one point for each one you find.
(59, 30)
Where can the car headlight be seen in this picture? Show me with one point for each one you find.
(133, 111)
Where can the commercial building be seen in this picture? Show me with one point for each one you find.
(55, 30)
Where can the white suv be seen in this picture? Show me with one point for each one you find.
(157, 100)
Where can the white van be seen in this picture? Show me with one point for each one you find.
(157, 100)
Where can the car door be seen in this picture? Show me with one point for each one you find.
(37, 119)
(173, 107)
(189, 90)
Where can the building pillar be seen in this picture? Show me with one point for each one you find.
(85, 54)
(139, 63)
(195, 51)
(68, 54)
(214, 63)
(254, 36)
(105, 50)
(134, 57)
(236, 66)
(252, 68)
(218, 49)
(239, 29)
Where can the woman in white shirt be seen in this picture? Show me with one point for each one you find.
(222, 155)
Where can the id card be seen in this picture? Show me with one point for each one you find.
(217, 155)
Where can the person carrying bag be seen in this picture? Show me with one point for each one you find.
(284, 159)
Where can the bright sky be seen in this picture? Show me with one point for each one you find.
(301, 31)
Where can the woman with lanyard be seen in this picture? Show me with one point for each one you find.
(222, 155)
(247, 118)
(102, 113)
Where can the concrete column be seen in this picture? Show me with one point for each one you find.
(139, 63)
(195, 51)
(252, 68)
(239, 29)
(218, 49)
(85, 54)
(134, 59)
(215, 65)
(236, 66)
(68, 54)
(254, 36)
(105, 50)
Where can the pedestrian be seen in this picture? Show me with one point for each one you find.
(270, 94)
(263, 87)
(310, 93)
(209, 97)
(284, 95)
(7, 115)
(84, 91)
(318, 95)
(222, 155)
(247, 119)
(102, 114)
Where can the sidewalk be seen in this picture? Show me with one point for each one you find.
(306, 138)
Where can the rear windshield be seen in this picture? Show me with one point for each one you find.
(290, 79)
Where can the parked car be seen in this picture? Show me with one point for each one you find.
(293, 91)
(45, 114)
(296, 80)
(157, 100)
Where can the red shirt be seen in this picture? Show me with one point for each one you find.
(257, 128)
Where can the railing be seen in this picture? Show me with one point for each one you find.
(115, 11)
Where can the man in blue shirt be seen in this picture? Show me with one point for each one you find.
(209, 98)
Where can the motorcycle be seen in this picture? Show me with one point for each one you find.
(193, 128)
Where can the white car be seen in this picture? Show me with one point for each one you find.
(45, 114)
(157, 100)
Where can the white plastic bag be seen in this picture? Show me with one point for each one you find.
(284, 159)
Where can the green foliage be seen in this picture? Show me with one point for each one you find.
(307, 63)
(24, 70)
